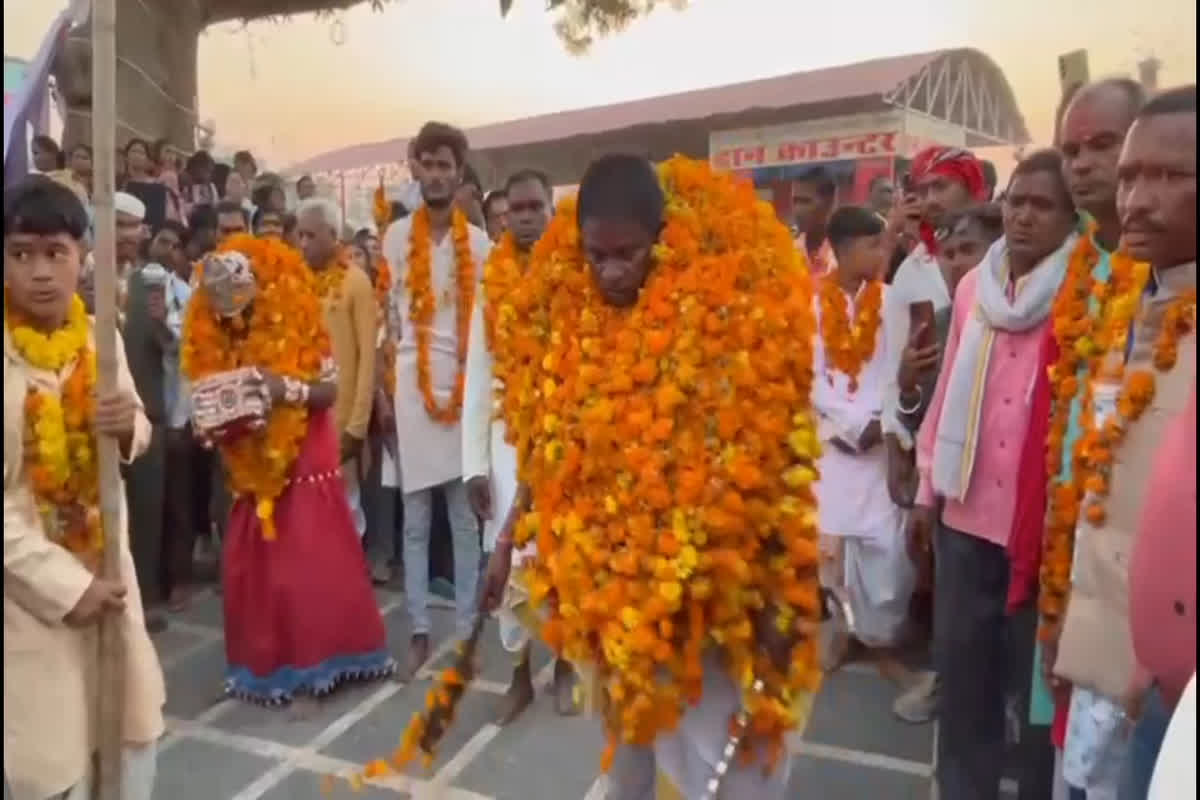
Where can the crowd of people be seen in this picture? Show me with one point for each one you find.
(706, 454)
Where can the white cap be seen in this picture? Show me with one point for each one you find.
(125, 203)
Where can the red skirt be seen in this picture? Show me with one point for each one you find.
(300, 613)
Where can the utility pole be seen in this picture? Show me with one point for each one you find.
(110, 690)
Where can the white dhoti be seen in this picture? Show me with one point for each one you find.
(879, 579)
(680, 763)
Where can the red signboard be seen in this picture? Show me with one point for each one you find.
(836, 148)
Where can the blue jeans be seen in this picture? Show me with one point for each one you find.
(1076, 794)
(1144, 745)
(464, 532)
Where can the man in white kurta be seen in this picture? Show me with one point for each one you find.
(431, 451)
(490, 462)
(864, 561)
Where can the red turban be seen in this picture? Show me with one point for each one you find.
(953, 163)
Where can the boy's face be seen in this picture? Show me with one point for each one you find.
(960, 252)
(41, 273)
(864, 258)
(619, 254)
(166, 249)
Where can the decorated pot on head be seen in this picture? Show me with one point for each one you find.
(228, 404)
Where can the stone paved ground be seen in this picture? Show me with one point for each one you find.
(220, 749)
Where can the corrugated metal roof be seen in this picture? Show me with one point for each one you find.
(847, 81)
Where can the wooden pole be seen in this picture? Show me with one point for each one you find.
(111, 680)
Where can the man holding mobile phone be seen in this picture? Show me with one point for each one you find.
(941, 181)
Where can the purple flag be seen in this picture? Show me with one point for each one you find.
(31, 102)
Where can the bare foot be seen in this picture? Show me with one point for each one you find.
(418, 654)
(518, 697)
(565, 682)
(180, 598)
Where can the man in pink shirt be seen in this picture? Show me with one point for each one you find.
(968, 455)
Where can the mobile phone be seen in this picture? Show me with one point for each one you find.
(921, 314)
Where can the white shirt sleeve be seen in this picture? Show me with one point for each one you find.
(895, 327)
(477, 398)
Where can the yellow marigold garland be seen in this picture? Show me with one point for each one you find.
(849, 345)
(670, 450)
(329, 281)
(284, 331)
(423, 302)
(59, 443)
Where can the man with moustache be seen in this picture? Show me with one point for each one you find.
(968, 452)
(1092, 129)
(433, 252)
(1120, 638)
(489, 461)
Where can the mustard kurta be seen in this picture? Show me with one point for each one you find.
(351, 316)
(50, 670)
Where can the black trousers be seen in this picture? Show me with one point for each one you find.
(145, 486)
(983, 657)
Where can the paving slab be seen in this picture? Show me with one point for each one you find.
(195, 770)
(539, 755)
(854, 711)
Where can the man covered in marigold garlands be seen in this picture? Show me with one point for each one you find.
(437, 257)
(489, 461)
(1134, 347)
(53, 539)
(863, 558)
(656, 368)
(300, 616)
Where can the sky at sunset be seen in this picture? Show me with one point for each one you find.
(288, 91)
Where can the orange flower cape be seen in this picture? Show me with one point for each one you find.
(284, 332)
(849, 345)
(670, 452)
(422, 305)
(383, 291)
(59, 444)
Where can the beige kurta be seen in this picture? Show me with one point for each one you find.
(1096, 648)
(50, 670)
(430, 452)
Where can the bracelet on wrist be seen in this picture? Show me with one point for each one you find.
(916, 404)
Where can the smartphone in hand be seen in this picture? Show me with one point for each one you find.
(922, 324)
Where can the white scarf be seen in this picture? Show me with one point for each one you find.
(958, 426)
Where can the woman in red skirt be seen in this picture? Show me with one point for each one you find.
(300, 614)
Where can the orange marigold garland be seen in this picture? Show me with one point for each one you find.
(670, 451)
(383, 291)
(283, 331)
(1091, 320)
(1101, 437)
(500, 274)
(59, 445)
(422, 306)
(849, 345)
